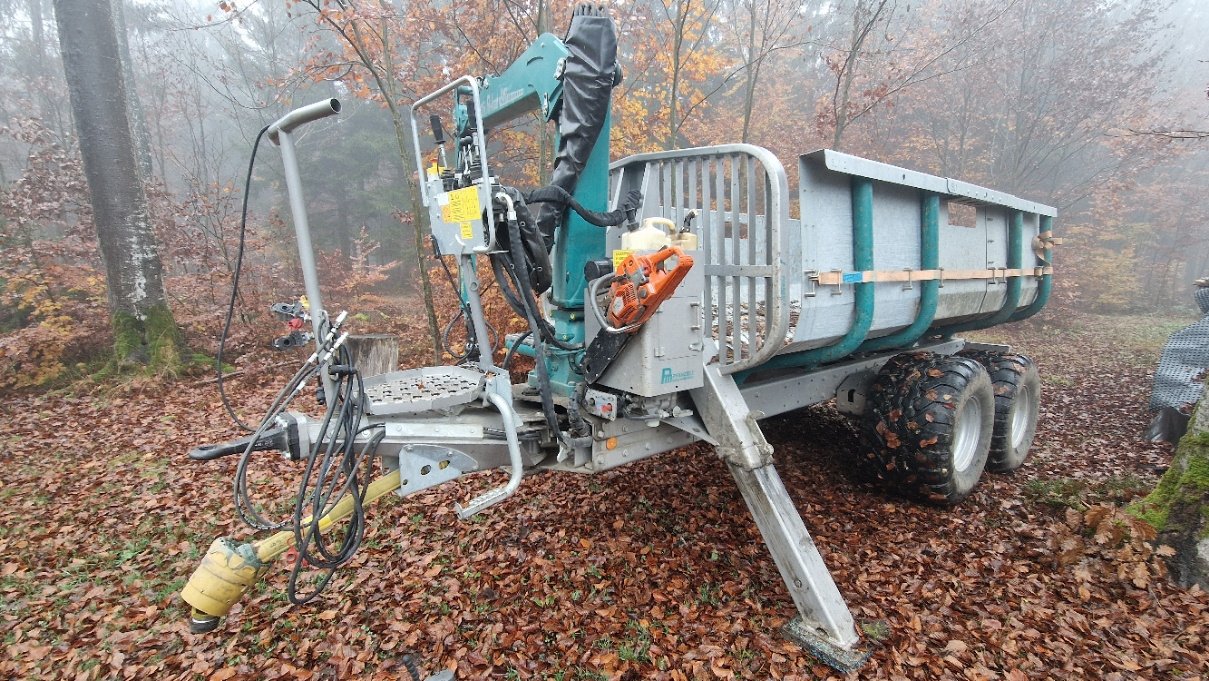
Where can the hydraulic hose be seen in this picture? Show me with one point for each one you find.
(556, 194)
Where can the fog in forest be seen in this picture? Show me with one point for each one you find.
(773, 413)
(1096, 107)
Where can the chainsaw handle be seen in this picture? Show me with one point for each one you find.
(634, 263)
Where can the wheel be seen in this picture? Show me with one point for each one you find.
(928, 424)
(1017, 386)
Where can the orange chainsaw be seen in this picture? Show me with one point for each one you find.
(639, 285)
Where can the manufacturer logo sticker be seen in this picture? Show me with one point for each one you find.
(669, 376)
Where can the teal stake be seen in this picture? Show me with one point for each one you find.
(929, 259)
(1046, 284)
(862, 261)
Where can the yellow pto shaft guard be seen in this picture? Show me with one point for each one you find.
(228, 569)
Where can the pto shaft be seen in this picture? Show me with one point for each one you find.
(228, 569)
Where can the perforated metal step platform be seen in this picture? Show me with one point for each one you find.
(417, 390)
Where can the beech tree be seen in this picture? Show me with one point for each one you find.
(143, 327)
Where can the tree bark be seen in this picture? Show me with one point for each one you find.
(1179, 507)
(144, 329)
(138, 122)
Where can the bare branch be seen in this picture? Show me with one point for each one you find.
(1172, 134)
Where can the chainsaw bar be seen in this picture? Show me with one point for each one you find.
(601, 352)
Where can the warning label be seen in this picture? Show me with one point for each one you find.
(463, 206)
(619, 257)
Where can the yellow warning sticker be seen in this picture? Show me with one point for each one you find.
(463, 206)
(619, 257)
(467, 230)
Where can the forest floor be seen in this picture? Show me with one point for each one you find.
(654, 570)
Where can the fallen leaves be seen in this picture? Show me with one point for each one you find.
(654, 570)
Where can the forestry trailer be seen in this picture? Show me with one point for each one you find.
(686, 302)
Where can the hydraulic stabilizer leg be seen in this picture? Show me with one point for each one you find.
(824, 625)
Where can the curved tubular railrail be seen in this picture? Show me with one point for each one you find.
(929, 259)
(740, 195)
(862, 259)
(473, 85)
(1045, 227)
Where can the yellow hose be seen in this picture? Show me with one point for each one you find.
(228, 569)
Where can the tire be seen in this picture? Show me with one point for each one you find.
(1017, 386)
(928, 424)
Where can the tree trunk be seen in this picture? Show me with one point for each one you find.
(374, 353)
(674, 89)
(138, 122)
(419, 222)
(1179, 507)
(144, 329)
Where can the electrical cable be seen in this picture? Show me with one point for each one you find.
(226, 329)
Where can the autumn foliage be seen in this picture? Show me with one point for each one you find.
(1018, 97)
(653, 570)
(1037, 574)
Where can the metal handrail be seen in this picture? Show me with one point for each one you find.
(473, 84)
(759, 346)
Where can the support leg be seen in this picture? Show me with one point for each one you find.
(824, 625)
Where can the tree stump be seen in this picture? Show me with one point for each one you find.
(1179, 507)
(374, 353)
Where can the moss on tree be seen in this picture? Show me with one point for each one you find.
(154, 341)
(1179, 506)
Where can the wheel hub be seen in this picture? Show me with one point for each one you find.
(966, 434)
(1022, 416)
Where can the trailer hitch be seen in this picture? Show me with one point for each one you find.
(288, 435)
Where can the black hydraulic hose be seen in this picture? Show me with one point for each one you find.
(508, 280)
(545, 330)
(243, 503)
(226, 329)
(512, 350)
(556, 194)
(336, 473)
(522, 284)
(501, 276)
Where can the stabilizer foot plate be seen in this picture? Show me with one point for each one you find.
(843, 660)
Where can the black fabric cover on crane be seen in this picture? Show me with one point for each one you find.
(588, 79)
